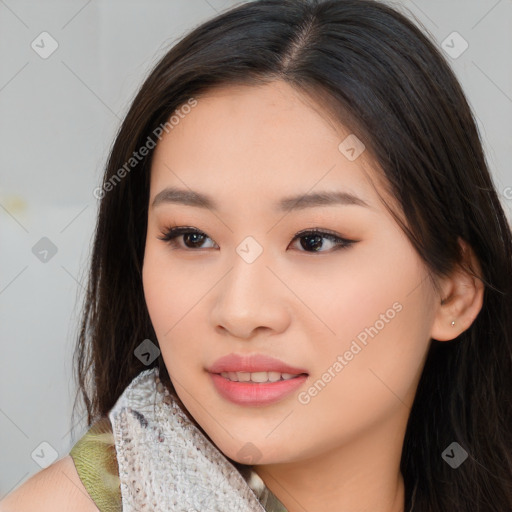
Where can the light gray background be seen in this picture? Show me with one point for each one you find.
(58, 117)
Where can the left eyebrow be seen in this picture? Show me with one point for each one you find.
(296, 202)
(314, 199)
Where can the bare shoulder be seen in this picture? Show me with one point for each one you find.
(55, 488)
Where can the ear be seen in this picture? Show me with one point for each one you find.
(462, 298)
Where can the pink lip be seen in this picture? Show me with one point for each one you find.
(253, 393)
(252, 363)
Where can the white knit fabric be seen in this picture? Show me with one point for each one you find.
(167, 464)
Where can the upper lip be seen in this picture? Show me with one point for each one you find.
(252, 363)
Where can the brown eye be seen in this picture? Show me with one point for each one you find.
(314, 241)
(192, 238)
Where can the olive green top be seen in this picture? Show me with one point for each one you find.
(94, 455)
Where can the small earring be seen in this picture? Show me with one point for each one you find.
(453, 323)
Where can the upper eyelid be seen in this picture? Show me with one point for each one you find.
(186, 229)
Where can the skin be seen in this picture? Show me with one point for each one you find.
(247, 147)
(53, 489)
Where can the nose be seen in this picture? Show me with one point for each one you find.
(250, 299)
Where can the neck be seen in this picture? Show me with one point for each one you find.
(361, 474)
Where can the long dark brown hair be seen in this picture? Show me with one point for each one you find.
(382, 77)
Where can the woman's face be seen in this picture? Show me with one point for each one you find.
(355, 318)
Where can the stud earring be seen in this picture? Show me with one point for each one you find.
(453, 323)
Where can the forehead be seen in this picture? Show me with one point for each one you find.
(258, 142)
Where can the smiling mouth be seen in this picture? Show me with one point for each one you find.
(259, 377)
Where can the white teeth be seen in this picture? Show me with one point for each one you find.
(257, 376)
(274, 376)
(240, 377)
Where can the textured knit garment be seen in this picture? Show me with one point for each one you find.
(148, 456)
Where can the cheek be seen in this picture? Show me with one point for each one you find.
(170, 291)
(162, 300)
(366, 292)
(155, 285)
(380, 313)
(172, 297)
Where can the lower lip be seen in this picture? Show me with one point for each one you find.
(250, 393)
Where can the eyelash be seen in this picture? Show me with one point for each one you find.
(171, 233)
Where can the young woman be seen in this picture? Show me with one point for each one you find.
(300, 287)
